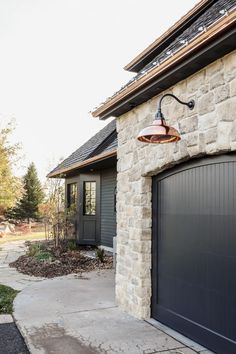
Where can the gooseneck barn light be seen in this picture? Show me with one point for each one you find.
(159, 132)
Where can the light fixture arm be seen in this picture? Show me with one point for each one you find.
(159, 114)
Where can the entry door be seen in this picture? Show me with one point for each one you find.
(194, 251)
(89, 209)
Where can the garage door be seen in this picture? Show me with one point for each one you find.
(194, 251)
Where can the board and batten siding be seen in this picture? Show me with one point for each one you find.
(108, 212)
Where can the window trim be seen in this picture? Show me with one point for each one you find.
(90, 196)
(69, 195)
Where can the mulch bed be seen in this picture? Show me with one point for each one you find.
(63, 262)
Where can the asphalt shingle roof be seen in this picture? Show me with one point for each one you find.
(215, 12)
(105, 140)
(219, 9)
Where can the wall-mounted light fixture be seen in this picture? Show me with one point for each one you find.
(159, 132)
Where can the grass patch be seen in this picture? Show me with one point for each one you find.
(27, 237)
(7, 296)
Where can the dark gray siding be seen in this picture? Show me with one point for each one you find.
(108, 214)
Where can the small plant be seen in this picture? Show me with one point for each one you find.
(33, 250)
(100, 254)
(39, 252)
(72, 246)
(43, 256)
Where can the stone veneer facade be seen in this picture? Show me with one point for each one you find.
(210, 128)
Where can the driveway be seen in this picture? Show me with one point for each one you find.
(11, 341)
(73, 314)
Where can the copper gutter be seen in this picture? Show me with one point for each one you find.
(202, 40)
(59, 173)
(197, 8)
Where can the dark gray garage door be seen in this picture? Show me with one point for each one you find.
(194, 251)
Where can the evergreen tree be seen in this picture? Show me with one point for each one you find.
(28, 206)
(10, 186)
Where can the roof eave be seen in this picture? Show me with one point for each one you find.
(149, 53)
(217, 30)
(61, 173)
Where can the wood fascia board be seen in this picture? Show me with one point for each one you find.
(166, 34)
(219, 27)
(81, 164)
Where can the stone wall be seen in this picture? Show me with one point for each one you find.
(210, 128)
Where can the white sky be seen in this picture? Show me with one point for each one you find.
(61, 58)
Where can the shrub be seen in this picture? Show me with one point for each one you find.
(72, 246)
(33, 250)
(39, 252)
(100, 254)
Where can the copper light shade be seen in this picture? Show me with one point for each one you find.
(159, 132)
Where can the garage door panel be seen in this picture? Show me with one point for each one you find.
(219, 320)
(194, 273)
(173, 300)
(194, 251)
(218, 264)
(223, 229)
(201, 334)
(172, 224)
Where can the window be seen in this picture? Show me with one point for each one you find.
(71, 195)
(89, 198)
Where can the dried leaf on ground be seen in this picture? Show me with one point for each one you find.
(62, 262)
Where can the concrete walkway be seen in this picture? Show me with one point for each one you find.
(78, 315)
(9, 252)
(71, 315)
